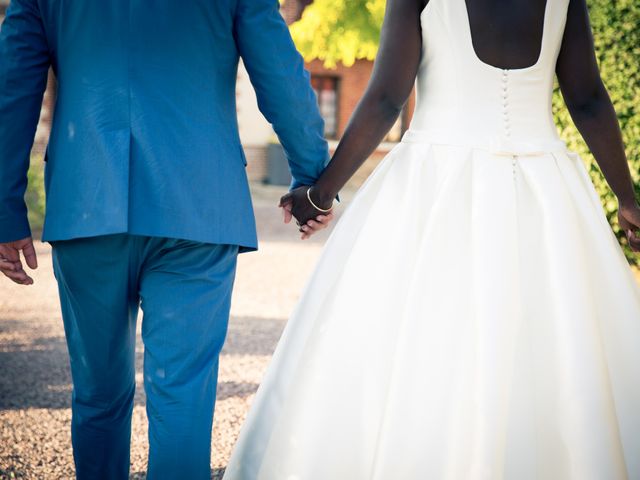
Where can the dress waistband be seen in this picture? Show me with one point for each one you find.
(498, 145)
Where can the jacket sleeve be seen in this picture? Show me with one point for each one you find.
(282, 86)
(24, 64)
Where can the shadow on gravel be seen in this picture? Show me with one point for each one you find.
(35, 373)
(216, 474)
(228, 390)
(253, 336)
(9, 471)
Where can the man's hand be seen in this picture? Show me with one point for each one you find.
(10, 263)
(310, 220)
(629, 219)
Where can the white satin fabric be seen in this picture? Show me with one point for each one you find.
(472, 316)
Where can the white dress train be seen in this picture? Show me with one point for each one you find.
(472, 316)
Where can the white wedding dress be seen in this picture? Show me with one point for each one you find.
(472, 316)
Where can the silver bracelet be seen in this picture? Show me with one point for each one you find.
(323, 210)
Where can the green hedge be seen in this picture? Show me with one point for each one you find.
(35, 194)
(616, 29)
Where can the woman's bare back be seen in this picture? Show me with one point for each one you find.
(507, 34)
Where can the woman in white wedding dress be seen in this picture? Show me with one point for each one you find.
(472, 316)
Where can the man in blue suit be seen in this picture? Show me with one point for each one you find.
(147, 197)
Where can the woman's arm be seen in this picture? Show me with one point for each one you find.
(593, 113)
(391, 83)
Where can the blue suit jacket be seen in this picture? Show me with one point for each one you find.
(145, 137)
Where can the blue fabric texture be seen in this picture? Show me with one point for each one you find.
(145, 137)
(184, 289)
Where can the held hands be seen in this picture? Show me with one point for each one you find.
(629, 219)
(10, 263)
(310, 219)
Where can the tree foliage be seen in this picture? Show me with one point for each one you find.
(339, 30)
(345, 30)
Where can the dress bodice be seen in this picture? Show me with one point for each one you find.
(457, 92)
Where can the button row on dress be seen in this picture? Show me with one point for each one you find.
(505, 116)
(505, 103)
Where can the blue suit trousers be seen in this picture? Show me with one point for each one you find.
(184, 289)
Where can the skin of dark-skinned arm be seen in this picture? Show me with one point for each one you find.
(391, 83)
(593, 113)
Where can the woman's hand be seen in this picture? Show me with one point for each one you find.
(629, 219)
(309, 219)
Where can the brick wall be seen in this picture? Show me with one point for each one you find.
(352, 84)
(256, 162)
(292, 9)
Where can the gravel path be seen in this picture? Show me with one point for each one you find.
(35, 384)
